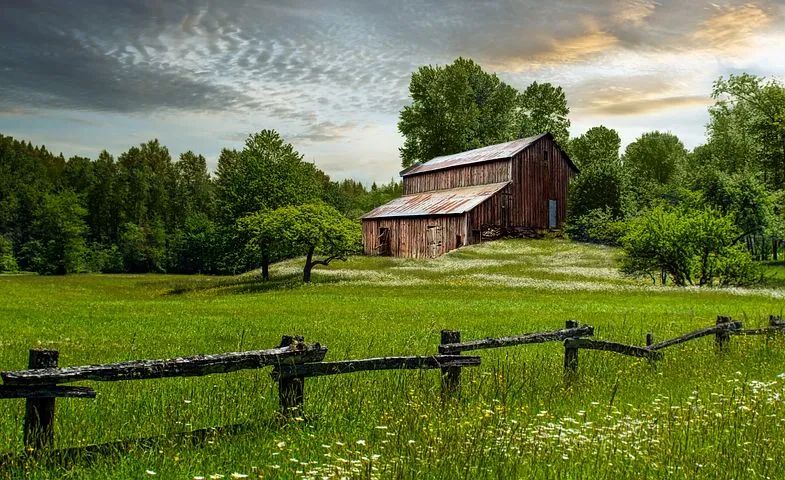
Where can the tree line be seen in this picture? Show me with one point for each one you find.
(145, 212)
(695, 217)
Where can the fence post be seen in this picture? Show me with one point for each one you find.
(722, 338)
(40, 412)
(570, 354)
(451, 376)
(649, 339)
(290, 390)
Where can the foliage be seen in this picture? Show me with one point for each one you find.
(196, 247)
(602, 184)
(105, 259)
(147, 213)
(455, 108)
(59, 228)
(691, 247)
(597, 226)
(599, 146)
(654, 163)
(747, 128)
(7, 259)
(142, 247)
(309, 229)
(267, 173)
(543, 108)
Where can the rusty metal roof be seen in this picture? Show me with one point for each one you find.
(437, 202)
(484, 154)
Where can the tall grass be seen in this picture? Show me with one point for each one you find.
(697, 414)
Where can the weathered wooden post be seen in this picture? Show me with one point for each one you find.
(451, 376)
(40, 412)
(290, 389)
(722, 337)
(649, 339)
(570, 354)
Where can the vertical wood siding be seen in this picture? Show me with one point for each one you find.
(536, 181)
(409, 236)
(479, 174)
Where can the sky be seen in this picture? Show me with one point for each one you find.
(88, 75)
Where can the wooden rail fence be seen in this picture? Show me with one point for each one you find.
(294, 360)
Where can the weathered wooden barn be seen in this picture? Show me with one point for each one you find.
(464, 198)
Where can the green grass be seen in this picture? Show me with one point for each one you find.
(696, 415)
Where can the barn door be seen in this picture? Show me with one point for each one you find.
(384, 242)
(505, 204)
(551, 213)
(434, 240)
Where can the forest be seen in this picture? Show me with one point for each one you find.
(145, 212)
(689, 217)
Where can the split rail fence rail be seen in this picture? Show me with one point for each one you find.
(294, 360)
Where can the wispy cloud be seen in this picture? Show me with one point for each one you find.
(319, 71)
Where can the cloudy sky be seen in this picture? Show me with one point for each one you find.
(81, 76)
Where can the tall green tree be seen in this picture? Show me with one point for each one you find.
(59, 229)
(598, 146)
(747, 126)
(543, 108)
(655, 163)
(267, 173)
(455, 108)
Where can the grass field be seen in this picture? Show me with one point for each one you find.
(696, 415)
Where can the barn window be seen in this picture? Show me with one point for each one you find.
(545, 155)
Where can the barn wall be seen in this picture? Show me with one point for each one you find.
(490, 212)
(478, 174)
(535, 181)
(408, 236)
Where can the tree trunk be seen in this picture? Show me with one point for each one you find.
(308, 266)
(265, 267)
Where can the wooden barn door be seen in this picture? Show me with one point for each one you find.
(384, 242)
(434, 239)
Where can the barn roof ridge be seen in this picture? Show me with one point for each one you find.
(499, 151)
(450, 201)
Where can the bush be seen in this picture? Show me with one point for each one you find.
(691, 247)
(596, 226)
(7, 260)
(105, 259)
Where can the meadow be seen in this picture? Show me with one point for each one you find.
(696, 414)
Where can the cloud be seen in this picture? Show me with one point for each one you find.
(324, 132)
(648, 105)
(204, 69)
(731, 28)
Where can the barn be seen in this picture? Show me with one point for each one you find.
(511, 188)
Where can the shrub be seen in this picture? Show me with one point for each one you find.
(7, 260)
(105, 259)
(691, 247)
(596, 226)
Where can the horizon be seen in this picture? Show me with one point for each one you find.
(80, 78)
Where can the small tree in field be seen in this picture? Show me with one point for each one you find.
(313, 229)
(691, 247)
